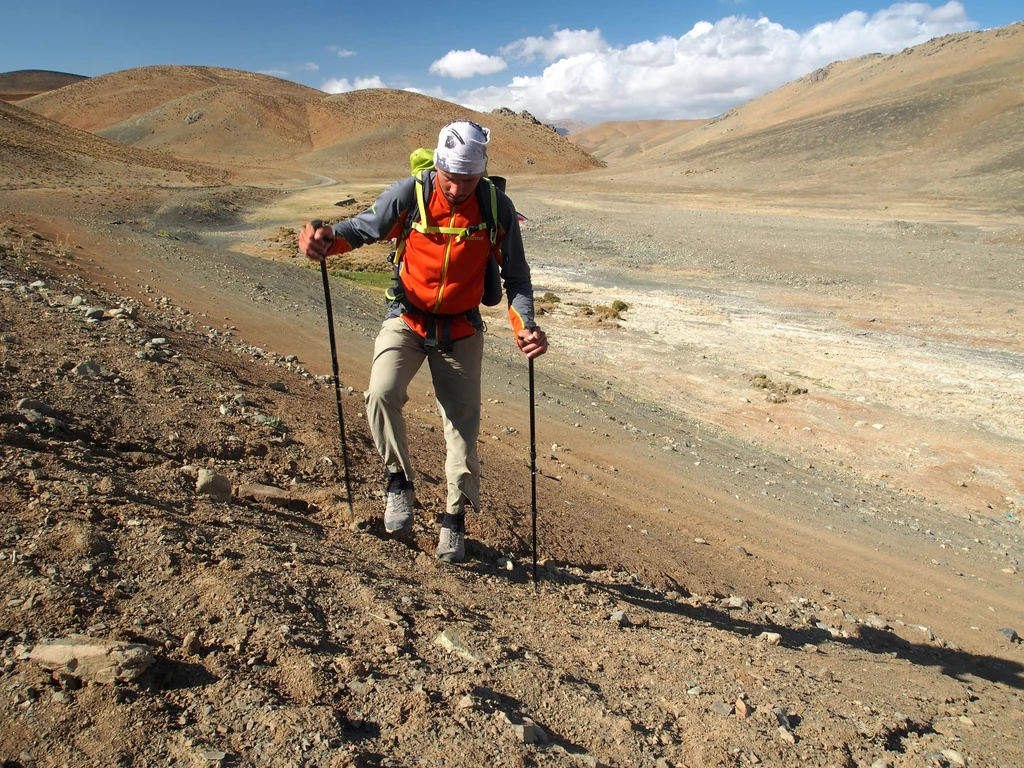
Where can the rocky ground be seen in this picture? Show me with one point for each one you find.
(173, 499)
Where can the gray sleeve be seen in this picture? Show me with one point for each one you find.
(515, 271)
(378, 222)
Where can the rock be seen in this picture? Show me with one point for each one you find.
(92, 660)
(735, 602)
(1009, 634)
(743, 709)
(955, 758)
(213, 755)
(452, 643)
(620, 618)
(882, 762)
(786, 735)
(190, 644)
(278, 386)
(87, 370)
(211, 484)
(782, 717)
(876, 622)
(721, 707)
(94, 313)
(527, 732)
(31, 404)
(269, 493)
(770, 638)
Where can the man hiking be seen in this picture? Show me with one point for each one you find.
(448, 222)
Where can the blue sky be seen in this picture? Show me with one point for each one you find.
(578, 59)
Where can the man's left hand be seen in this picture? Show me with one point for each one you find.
(532, 342)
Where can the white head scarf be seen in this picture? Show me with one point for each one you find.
(462, 148)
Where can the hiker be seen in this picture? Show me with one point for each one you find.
(454, 229)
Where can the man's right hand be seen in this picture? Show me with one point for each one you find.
(316, 242)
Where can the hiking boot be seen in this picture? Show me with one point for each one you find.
(398, 513)
(451, 546)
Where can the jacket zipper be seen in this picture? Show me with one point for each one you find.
(444, 267)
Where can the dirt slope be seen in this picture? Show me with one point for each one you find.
(23, 83)
(37, 152)
(278, 635)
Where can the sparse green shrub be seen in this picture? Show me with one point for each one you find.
(619, 306)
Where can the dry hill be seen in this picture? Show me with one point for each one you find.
(623, 139)
(23, 83)
(941, 120)
(225, 116)
(37, 152)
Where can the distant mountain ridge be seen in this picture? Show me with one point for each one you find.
(940, 119)
(24, 83)
(224, 116)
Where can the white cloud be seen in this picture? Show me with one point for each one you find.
(466, 64)
(563, 42)
(706, 71)
(311, 66)
(344, 85)
(342, 53)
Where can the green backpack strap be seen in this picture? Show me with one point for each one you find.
(461, 233)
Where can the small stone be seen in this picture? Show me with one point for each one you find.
(1009, 634)
(98, 661)
(211, 484)
(735, 602)
(786, 735)
(620, 618)
(881, 762)
(699, 541)
(955, 758)
(530, 733)
(94, 313)
(721, 707)
(213, 755)
(278, 386)
(190, 644)
(770, 638)
(31, 404)
(87, 370)
(452, 643)
(743, 709)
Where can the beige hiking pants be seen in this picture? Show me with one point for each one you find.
(397, 355)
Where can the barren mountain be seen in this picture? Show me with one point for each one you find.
(941, 119)
(38, 153)
(23, 83)
(622, 139)
(222, 116)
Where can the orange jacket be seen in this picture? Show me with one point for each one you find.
(443, 275)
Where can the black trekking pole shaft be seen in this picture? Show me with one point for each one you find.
(533, 477)
(337, 379)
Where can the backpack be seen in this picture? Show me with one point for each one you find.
(421, 162)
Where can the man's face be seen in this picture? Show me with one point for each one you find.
(457, 187)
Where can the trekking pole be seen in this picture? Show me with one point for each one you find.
(533, 477)
(316, 224)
